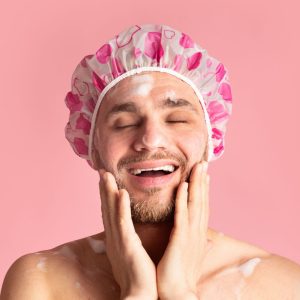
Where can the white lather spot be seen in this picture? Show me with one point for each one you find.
(41, 265)
(67, 252)
(144, 84)
(77, 285)
(248, 267)
(171, 95)
(98, 246)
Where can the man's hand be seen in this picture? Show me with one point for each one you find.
(180, 268)
(132, 267)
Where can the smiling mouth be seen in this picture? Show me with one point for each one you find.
(163, 171)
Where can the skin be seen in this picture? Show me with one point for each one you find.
(170, 253)
(176, 278)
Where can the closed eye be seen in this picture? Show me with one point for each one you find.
(121, 127)
(177, 121)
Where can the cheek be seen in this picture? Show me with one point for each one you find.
(112, 149)
(193, 145)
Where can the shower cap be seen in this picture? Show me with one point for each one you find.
(148, 47)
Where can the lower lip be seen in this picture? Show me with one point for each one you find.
(147, 182)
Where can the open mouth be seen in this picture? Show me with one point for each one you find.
(154, 172)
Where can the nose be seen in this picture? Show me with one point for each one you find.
(150, 136)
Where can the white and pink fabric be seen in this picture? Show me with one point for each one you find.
(149, 47)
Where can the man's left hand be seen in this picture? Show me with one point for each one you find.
(179, 269)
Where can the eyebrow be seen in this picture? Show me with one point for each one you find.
(165, 104)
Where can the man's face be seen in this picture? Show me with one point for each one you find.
(142, 123)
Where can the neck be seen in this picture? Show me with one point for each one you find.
(155, 238)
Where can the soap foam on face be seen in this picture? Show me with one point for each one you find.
(171, 95)
(143, 85)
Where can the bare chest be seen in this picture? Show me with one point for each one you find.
(230, 284)
(94, 281)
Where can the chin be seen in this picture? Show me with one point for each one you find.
(153, 209)
(152, 204)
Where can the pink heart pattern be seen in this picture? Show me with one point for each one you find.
(144, 46)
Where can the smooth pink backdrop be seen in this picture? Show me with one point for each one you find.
(50, 196)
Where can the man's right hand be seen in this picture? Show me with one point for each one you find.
(132, 267)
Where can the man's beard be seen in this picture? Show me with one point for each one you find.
(150, 211)
(151, 208)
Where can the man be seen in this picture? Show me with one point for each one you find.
(150, 142)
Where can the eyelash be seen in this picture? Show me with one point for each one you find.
(122, 127)
(177, 121)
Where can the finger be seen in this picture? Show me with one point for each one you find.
(104, 209)
(108, 193)
(181, 212)
(111, 193)
(204, 215)
(206, 200)
(125, 220)
(198, 216)
(102, 191)
(195, 188)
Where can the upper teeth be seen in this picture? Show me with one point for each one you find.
(169, 168)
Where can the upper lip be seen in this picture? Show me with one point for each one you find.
(149, 164)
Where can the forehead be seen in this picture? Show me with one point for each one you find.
(155, 85)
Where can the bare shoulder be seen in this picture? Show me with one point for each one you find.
(74, 270)
(276, 277)
(24, 280)
(240, 270)
(268, 275)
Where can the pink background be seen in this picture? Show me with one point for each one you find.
(50, 196)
